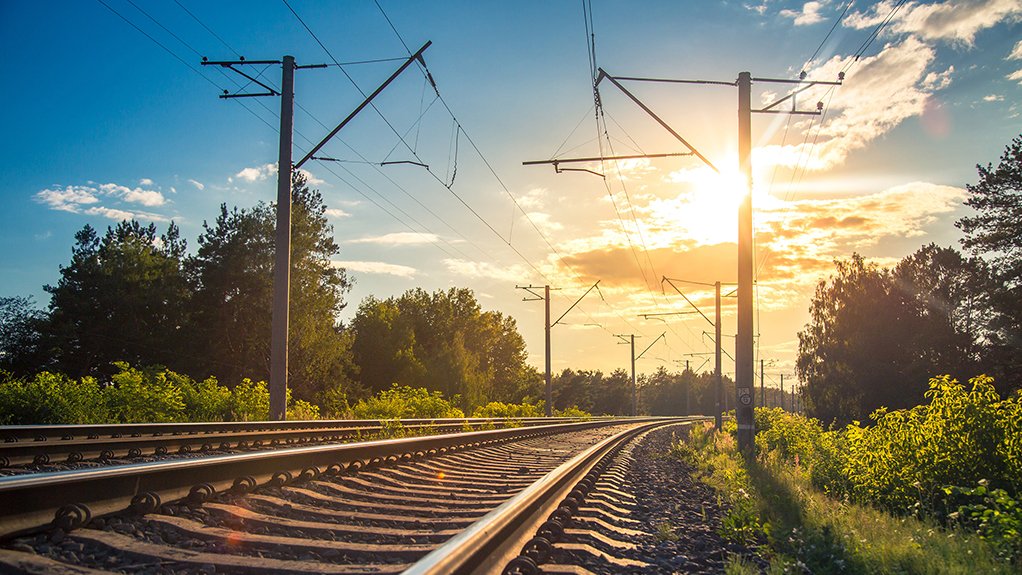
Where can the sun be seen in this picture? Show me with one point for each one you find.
(705, 209)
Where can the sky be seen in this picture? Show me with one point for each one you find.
(108, 115)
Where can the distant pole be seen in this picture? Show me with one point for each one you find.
(762, 387)
(782, 391)
(718, 418)
(635, 387)
(282, 261)
(549, 387)
(743, 352)
(688, 387)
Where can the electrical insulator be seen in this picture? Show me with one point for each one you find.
(802, 76)
(819, 106)
(840, 76)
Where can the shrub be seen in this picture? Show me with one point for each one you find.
(402, 402)
(250, 401)
(206, 400)
(148, 396)
(507, 410)
(51, 399)
(301, 410)
(573, 411)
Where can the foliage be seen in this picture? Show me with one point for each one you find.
(250, 401)
(124, 296)
(874, 332)
(496, 409)
(404, 402)
(52, 398)
(806, 531)
(993, 513)
(145, 396)
(953, 459)
(995, 232)
(442, 341)
(233, 276)
(132, 395)
(21, 348)
(206, 400)
(573, 411)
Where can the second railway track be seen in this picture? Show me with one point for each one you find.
(469, 502)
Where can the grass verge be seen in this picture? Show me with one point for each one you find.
(802, 530)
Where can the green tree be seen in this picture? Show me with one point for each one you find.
(123, 297)
(21, 347)
(875, 335)
(442, 341)
(995, 233)
(233, 276)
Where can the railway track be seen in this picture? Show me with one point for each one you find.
(478, 502)
(39, 445)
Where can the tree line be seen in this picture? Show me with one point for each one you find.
(877, 335)
(135, 299)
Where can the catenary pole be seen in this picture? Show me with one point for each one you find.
(282, 260)
(719, 411)
(743, 343)
(762, 385)
(549, 387)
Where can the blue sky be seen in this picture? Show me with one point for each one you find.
(103, 123)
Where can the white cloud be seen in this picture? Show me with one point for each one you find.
(955, 20)
(544, 221)
(311, 179)
(810, 14)
(68, 199)
(198, 185)
(757, 8)
(533, 199)
(376, 268)
(1016, 52)
(993, 98)
(86, 199)
(1016, 76)
(258, 173)
(879, 93)
(145, 182)
(398, 239)
(118, 214)
(133, 195)
(487, 270)
(336, 213)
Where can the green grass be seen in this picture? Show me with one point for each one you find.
(801, 528)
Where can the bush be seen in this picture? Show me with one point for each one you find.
(52, 399)
(801, 441)
(403, 402)
(250, 401)
(906, 458)
(507, 410)
(206, 400)
(147, 396)
(573, 411)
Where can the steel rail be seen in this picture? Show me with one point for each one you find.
(70, 499)
(491, 543)
(51, 444)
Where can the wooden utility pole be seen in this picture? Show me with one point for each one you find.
(282, 260)
(285, 168)
(549, 409)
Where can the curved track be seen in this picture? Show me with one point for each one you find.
(374, 507)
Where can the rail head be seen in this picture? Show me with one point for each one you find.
(72, 498)
(496, 539)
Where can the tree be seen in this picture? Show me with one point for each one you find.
(21, 348)
(233, 276)
(123, 297)
(876, 336)
(442, 341)
(995, 233)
